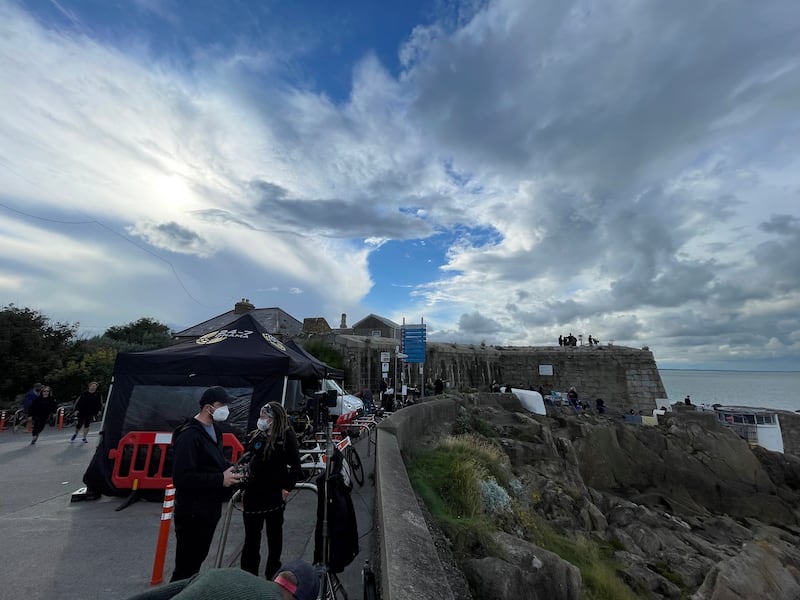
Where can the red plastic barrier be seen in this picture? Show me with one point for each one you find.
(141, 456)
(343, 422)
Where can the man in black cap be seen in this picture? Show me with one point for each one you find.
(202, 476)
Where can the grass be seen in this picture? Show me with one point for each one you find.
(448, 479)
(598, 568)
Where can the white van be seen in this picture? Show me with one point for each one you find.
(345, 403)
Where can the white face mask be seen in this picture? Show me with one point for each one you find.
(263, 424)
(221, 414)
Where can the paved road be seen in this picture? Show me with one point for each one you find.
(52, 548)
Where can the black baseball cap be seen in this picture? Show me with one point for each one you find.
(215, 394)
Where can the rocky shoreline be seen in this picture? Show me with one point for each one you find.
(690, 512)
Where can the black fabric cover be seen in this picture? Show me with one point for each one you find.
(341, 518)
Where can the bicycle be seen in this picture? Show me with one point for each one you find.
(312, 460)
(356, 467)
(17, 421)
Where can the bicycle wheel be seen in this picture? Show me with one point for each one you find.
(356, 468)
(19, 421)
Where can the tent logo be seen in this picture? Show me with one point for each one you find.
(223, 334)
(274, 341)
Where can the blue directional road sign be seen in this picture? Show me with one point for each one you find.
(413, 342)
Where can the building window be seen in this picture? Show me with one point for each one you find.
(376, 333)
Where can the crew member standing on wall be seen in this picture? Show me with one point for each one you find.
(202, 476)
(275, 467)
(87, 406)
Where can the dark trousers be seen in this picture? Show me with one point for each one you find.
(193, 534)
(38, 425)
(251, 551)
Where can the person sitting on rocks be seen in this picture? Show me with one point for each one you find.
(572, 396)
(600, 405)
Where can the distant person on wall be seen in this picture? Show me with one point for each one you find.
(87, 406)
(687, 401)
(275, 467)
(600, 405)
(561, 340)
(572, 397)
(438, 386)
(43, 406)
(202, 476)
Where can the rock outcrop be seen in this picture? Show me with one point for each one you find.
(690, 511)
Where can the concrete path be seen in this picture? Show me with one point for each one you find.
(52, 548)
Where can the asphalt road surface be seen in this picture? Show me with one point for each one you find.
(53, 548)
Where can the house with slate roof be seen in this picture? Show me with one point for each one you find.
(376, 326)
(275, 320)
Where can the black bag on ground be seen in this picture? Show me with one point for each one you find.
(342, 526)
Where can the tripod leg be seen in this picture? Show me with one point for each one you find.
(337, 589)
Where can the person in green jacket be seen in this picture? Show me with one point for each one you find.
(297, 580)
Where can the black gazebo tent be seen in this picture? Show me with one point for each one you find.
(158, 389)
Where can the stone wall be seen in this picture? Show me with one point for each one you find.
(790, 429)
(626, 378)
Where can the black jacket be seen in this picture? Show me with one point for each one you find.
(89, 404)
(197, 467)
(43, 407)
(271, 473)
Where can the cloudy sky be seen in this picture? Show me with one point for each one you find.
(507, 170)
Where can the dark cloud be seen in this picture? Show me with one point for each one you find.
(172, 236)
(477, 324)
(359, 218)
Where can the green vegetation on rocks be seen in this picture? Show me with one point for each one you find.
(467, 483)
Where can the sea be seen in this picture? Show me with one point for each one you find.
(758, 389)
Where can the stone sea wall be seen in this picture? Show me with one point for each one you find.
(626, 378)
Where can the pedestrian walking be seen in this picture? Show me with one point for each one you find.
(87, 406)
(42, 407)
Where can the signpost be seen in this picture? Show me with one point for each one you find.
(414, 339)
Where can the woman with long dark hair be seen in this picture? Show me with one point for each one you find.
(275, 467)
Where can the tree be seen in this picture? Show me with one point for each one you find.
(144, 334)
(31, 348)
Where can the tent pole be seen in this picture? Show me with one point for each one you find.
(283, 395)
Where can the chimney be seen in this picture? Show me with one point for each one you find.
(243, 306)
(343, 324)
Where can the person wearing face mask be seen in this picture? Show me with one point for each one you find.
(275, 467)
(202, 478)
